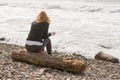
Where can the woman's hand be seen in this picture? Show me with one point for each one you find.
(52, 33)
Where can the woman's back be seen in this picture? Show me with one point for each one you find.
(38, 31)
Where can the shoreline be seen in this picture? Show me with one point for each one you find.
(13, 70)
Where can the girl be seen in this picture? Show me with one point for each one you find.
(38, 37)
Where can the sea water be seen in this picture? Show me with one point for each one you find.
(82, 26)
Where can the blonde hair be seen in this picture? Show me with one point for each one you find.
(42, 17)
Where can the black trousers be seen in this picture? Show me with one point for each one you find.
(35, 48)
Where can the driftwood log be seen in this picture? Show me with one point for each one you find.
(44, 60)
(106, 57)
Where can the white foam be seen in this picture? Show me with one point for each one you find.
(80, 27)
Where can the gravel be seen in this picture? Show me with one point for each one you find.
(13, 70)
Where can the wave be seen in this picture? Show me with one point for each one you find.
(70, 5)
(83, 7)
(115, 11)
(100, 1)
(3, 4)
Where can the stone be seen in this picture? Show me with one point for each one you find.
(106, 57)
(2, 39)
(1, 52)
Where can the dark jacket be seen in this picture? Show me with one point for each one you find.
(38, 31)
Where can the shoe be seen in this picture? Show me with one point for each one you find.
(41, 52)
(50, 54)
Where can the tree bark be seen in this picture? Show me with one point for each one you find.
(44, 60)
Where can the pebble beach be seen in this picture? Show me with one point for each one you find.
(15, 70)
